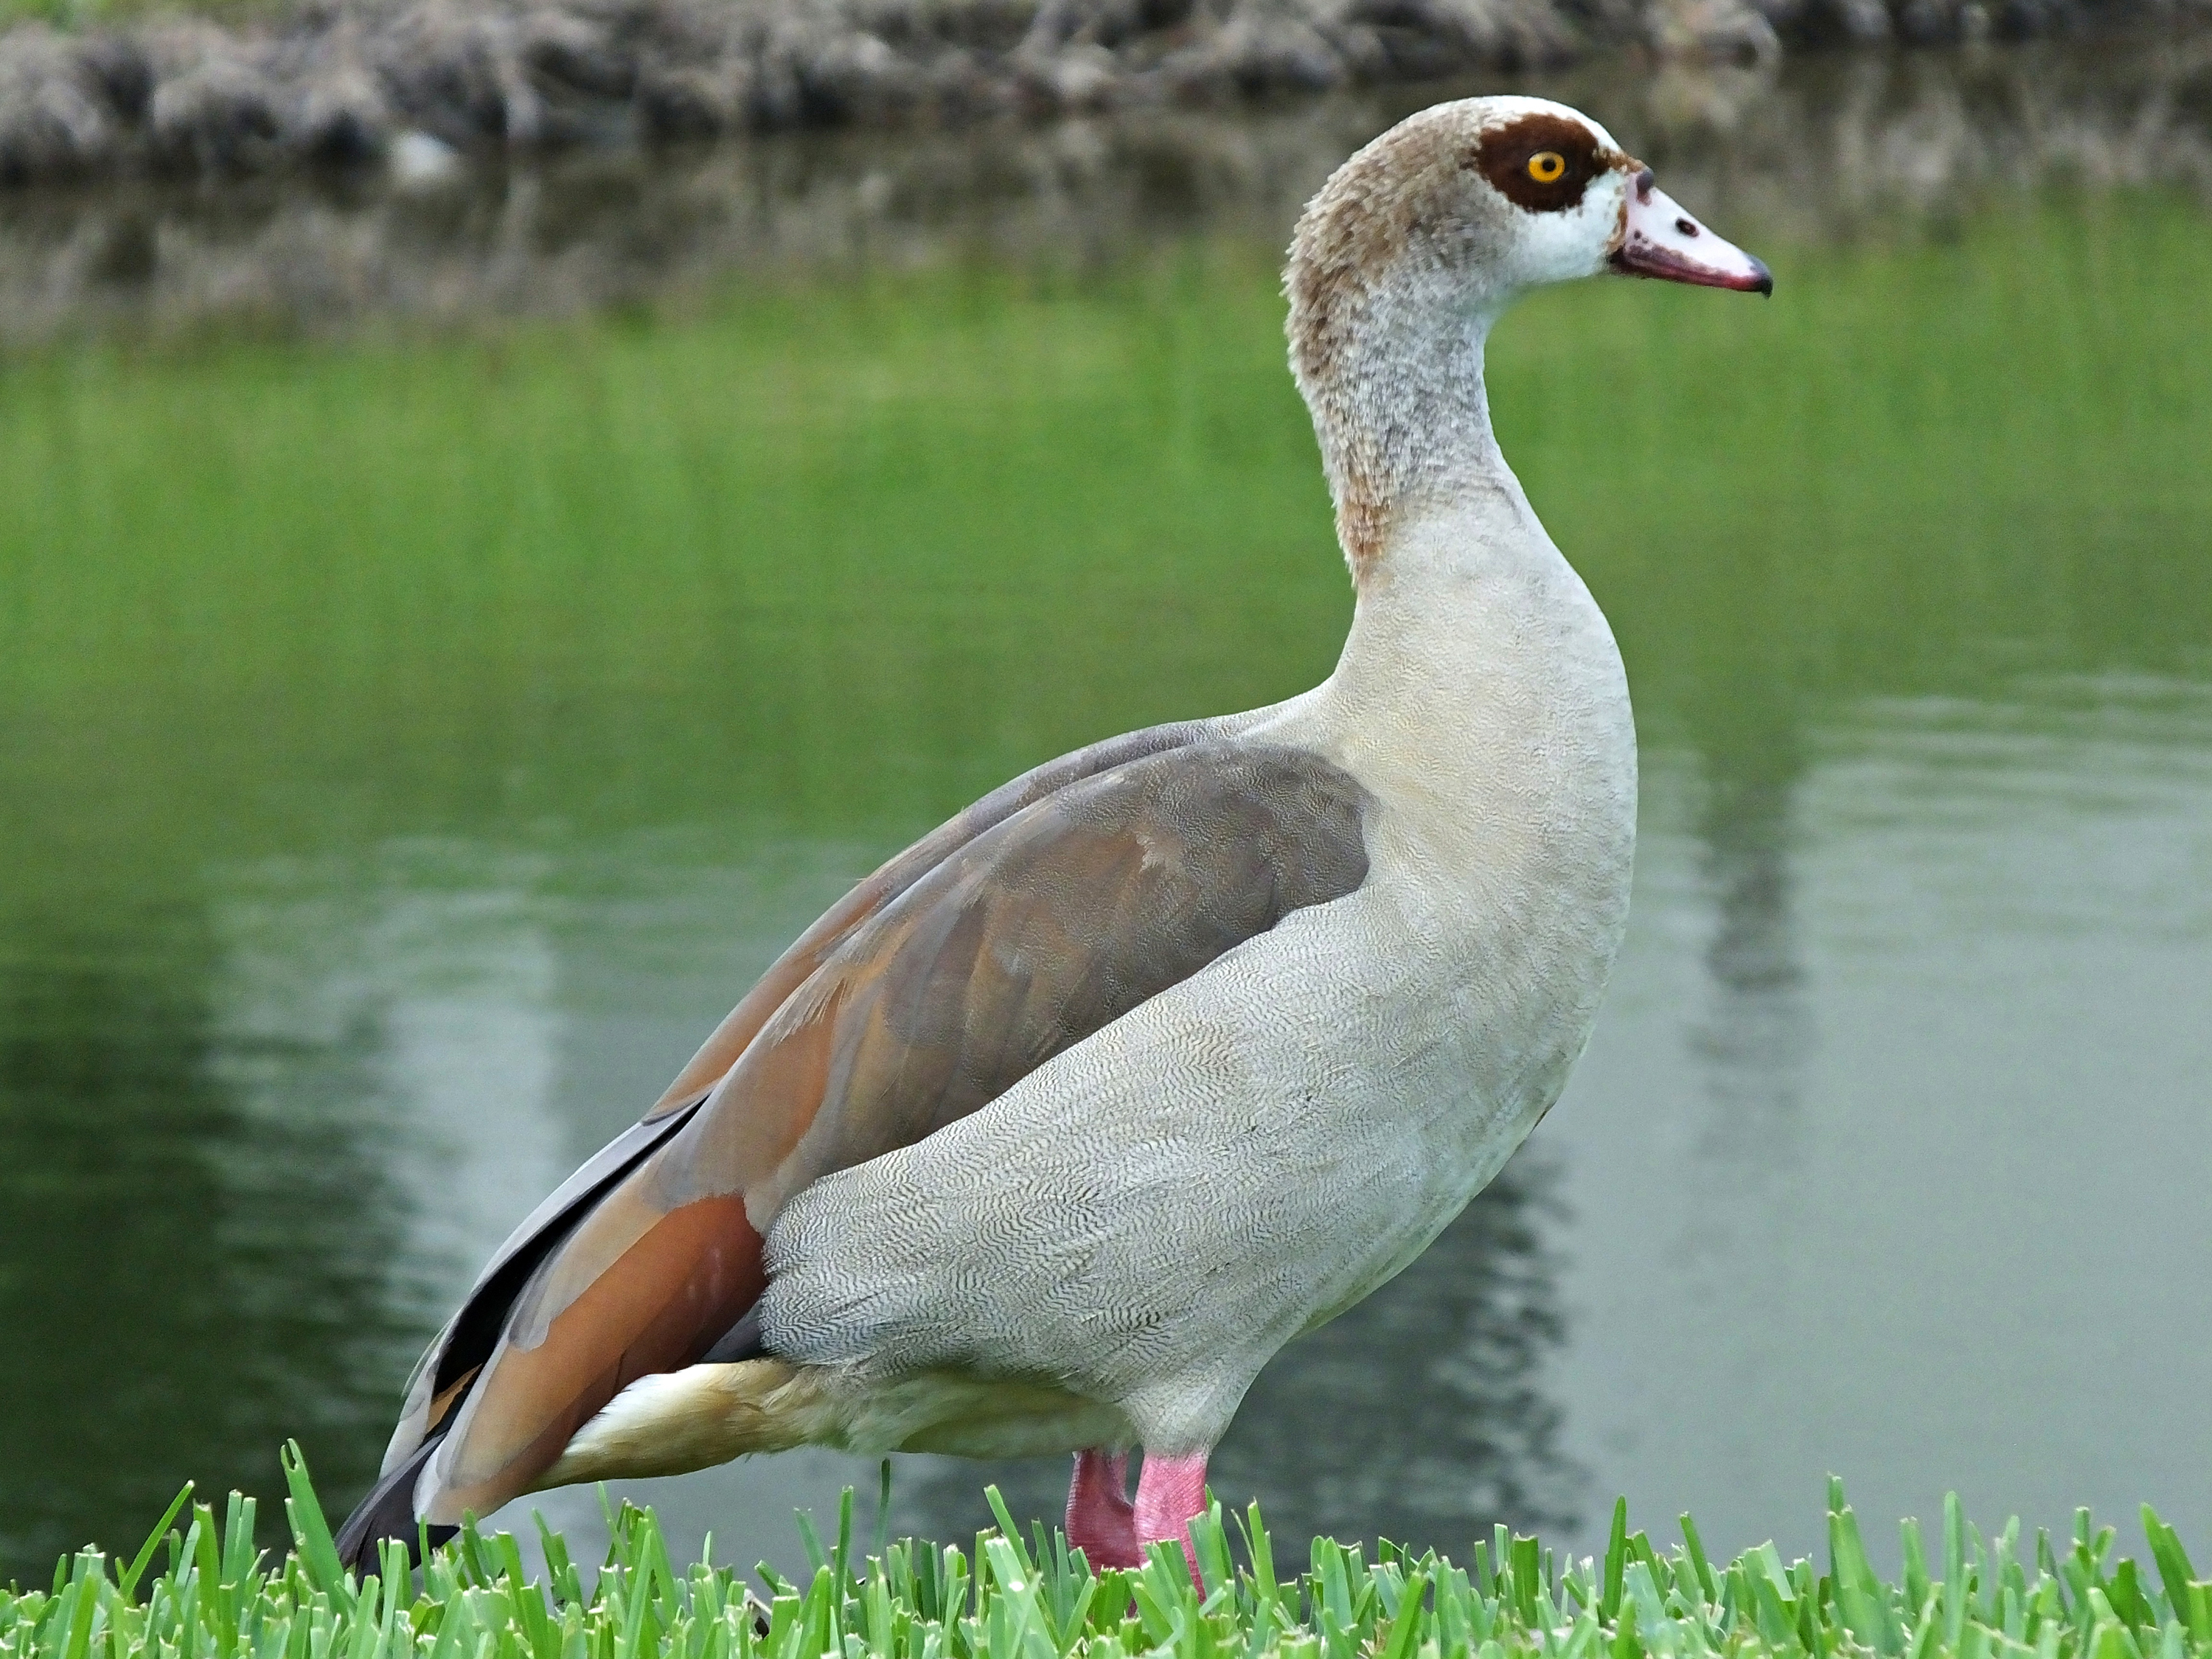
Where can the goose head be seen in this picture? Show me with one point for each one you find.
(1411, 249)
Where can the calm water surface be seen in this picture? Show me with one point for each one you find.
(407, 751)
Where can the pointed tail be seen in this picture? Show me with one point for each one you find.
(388, 1511)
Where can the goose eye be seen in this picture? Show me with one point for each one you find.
(1547, 166)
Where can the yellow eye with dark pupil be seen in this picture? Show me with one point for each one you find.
(1546, 166)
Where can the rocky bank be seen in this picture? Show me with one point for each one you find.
(421, 86)
(1822, 146)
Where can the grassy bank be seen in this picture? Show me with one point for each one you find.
(214, 1597)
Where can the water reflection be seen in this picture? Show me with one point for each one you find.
(1757, 1031)
(1890, 1253)
(182, 1273)
(431, 972)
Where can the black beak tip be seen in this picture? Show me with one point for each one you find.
(1765, 282)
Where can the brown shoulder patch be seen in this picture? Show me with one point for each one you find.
(1540, 161)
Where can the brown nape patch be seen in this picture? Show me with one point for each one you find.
(1541, 161)
(1350, 234)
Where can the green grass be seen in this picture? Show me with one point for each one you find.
(1962, 1596)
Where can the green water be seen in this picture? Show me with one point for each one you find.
(407, 749)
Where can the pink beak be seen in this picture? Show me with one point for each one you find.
(1658, 239)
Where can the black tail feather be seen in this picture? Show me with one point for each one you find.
(388, 1511)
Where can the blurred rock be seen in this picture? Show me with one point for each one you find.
(55, 121)
(1716, 31)
(419, 161)
(214, 101)
(1077, 77)
(680, 101)
(337, 111)
(455, 72)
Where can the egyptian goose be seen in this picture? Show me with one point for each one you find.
(1054, 1129)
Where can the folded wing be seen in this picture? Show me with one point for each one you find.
(921, 998)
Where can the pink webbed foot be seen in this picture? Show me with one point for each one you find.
(1101, 1522)
(1170, 1493)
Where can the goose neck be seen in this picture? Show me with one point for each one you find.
(1403, 419)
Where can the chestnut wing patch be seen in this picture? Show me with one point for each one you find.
(1035, 935)
(1516, 159)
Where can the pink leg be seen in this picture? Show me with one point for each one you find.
(1169, 1492)
(1100, 1521)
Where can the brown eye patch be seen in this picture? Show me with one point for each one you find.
(1540, 161)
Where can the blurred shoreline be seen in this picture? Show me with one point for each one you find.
(1812, 147)
(246, 88)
